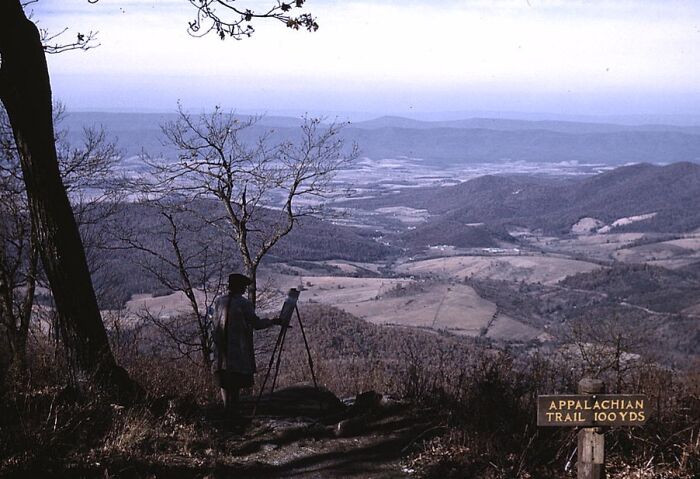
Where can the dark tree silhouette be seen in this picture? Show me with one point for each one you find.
(85, 166)
(227, 19)
(25, 92)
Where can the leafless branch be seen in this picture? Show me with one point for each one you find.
(182, 258)
(56, 43)
(263, 187)
(83, 168)
(228, 20)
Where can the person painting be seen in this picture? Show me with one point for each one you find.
(234, 357)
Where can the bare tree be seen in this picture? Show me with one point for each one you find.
(179, 251)
(185, 253)
(25, 92)
(609, 347)
(18, 254)
(87, 173)
(263, 189)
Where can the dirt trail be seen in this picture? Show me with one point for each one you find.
(372, 438)
(303, 449)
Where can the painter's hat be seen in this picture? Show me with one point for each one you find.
(237, 280)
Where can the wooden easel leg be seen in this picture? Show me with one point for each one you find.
(308, 351)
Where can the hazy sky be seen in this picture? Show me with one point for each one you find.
(563, 57)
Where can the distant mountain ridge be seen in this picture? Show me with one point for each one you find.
(502, 124)
(478, 145)
(476, 140)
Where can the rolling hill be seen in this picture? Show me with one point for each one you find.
(672, 192)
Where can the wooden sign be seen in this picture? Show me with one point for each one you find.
(592, 410)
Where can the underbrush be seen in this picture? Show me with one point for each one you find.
(491, 430)
(481, 402)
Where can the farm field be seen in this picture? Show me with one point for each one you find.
(451, 307)
(670, 254)
(601, 247)
(530, 269)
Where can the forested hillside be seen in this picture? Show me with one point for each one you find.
(124, 268)
(672, 192)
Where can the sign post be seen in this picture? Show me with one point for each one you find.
(591, 410)
(591, 441)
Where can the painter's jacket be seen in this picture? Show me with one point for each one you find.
(234, 351)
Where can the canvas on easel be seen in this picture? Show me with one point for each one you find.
(289, 306)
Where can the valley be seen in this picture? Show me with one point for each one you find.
(447, 234)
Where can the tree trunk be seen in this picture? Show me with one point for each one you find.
(206, 354)
(26, 93)
(252, 273)
(18, 359)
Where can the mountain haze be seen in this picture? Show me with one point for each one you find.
(477, 140)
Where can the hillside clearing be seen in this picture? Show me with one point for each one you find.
(530, 269)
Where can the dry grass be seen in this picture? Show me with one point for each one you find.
(480, 402)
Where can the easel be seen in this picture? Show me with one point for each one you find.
(290, 306)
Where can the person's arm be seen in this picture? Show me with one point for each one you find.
(255, 320)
